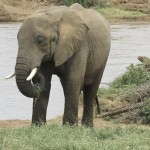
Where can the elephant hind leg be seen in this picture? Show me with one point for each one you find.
(89, 95)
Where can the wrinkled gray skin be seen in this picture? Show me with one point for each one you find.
(72, 43)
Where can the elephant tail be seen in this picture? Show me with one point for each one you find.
(97, 105)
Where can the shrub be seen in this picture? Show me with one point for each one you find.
(85, 3)
(135, 75)
(145, 114)
(137, 93)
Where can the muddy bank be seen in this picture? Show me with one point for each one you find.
(12, 124)
(18, 10)
(98, 123)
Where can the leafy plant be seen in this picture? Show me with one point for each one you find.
(145, 114)
(134, 75)
(102, 4)
(85, 3)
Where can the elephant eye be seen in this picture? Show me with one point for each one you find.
(53, 39)
(40, 40)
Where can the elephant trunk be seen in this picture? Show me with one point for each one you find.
(22, 71)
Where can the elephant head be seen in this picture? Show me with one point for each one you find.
(46, 37)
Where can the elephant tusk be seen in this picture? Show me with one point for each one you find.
(32, 74)
(10, 76)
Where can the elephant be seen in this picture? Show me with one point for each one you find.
(70, 42)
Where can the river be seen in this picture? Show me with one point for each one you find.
(128, 42)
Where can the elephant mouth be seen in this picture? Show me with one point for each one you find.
(31, 88)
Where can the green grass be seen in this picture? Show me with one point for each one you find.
(112, 12)
(57, 137)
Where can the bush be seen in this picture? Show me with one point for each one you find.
(145, 114)
(137, 93)
(85, 3)
(135, 75)
(133, 87)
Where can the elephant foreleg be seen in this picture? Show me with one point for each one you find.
(40, 104)
(71, 92)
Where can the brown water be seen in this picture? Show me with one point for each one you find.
(128, 42)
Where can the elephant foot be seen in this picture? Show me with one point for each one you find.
(70, 122)
(38, 123)
(87, 122)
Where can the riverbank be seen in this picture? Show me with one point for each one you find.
(12, 124)
(98, 123)
(118, 10)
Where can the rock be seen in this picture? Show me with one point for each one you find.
(4, 14)
(145, 61)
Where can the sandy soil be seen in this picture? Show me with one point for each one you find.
(11, 124)
(98, 123)
(5, 124)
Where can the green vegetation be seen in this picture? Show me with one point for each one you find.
(118, 13)
(57, 137)
(134, 78)
(145, 114)
(131, 87)
(111, 9)
(85, 3)
(135, 75)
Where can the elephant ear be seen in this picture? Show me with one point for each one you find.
(71, 31)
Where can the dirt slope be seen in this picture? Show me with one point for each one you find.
(135, 5)
(18, 10)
